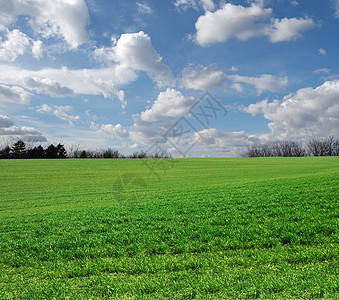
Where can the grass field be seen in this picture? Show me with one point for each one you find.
(207, 229)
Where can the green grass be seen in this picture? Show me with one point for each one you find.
(208, 229)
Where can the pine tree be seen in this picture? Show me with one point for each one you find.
(61, 151)
(18, 149)
(5, 152)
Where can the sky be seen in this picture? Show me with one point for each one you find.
(189, 77)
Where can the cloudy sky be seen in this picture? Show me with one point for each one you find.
(133, 75)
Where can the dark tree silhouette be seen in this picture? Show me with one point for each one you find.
(5, 152)
(51, 151)
(61, 151)
(36, 152)
(18, 149)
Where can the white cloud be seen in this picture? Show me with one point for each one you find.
(243, 23)
(336, 8)
(225, 142)
(60, 112)
(147, 133)
(50, 18)
(134, 146)
(202, 78)
(5, 122)
(169, 104)
(264, 82)
(18, 131)
(323, 70)
(207, 5)
(8, 129)
(44, 108)
(232, 21)
(14, 94)
(307, 113)
(151, 125)
(131, 53)
(144, 8)
(233, 69)
(15, 44)
(238, 87)
(111, 130)
(134, 52)
(37, 49)
(288, 29)
(64, 82)
(322, 51)
(47, 86)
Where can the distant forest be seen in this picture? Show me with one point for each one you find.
(19, 150)
(315, 147)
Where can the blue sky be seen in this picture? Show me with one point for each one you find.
(125, 74)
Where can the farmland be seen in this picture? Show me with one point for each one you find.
(211, 228)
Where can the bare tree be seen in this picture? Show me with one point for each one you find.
(323, 147)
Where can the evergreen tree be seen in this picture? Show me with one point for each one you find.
(18, 149)
(61, 151)
(36, 152)
(51, 151)
(5, 152)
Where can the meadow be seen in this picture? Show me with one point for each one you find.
(208, 228)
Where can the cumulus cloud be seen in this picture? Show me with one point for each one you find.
(310, 112)
(134, 52)
(14, 94)
(37, 49)
(230, 143)
(65, 82)
(9, 130)
(207, 5)
(110, 130)
(243, 23)
(264, 82)
(60, 112)
(288, 29)
(232, 21)
(151, 125)
(50, 18)
(15, 44)
(169, 104)
(147, 133)
(131, 53)
(202, 78)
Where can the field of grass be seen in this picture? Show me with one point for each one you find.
(205, 229)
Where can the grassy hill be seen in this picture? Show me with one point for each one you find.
(179, 229)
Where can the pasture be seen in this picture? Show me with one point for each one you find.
(209, 228)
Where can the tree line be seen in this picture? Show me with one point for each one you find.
(315, 147)
(19, 150)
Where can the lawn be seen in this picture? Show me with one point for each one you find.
(214, 228)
